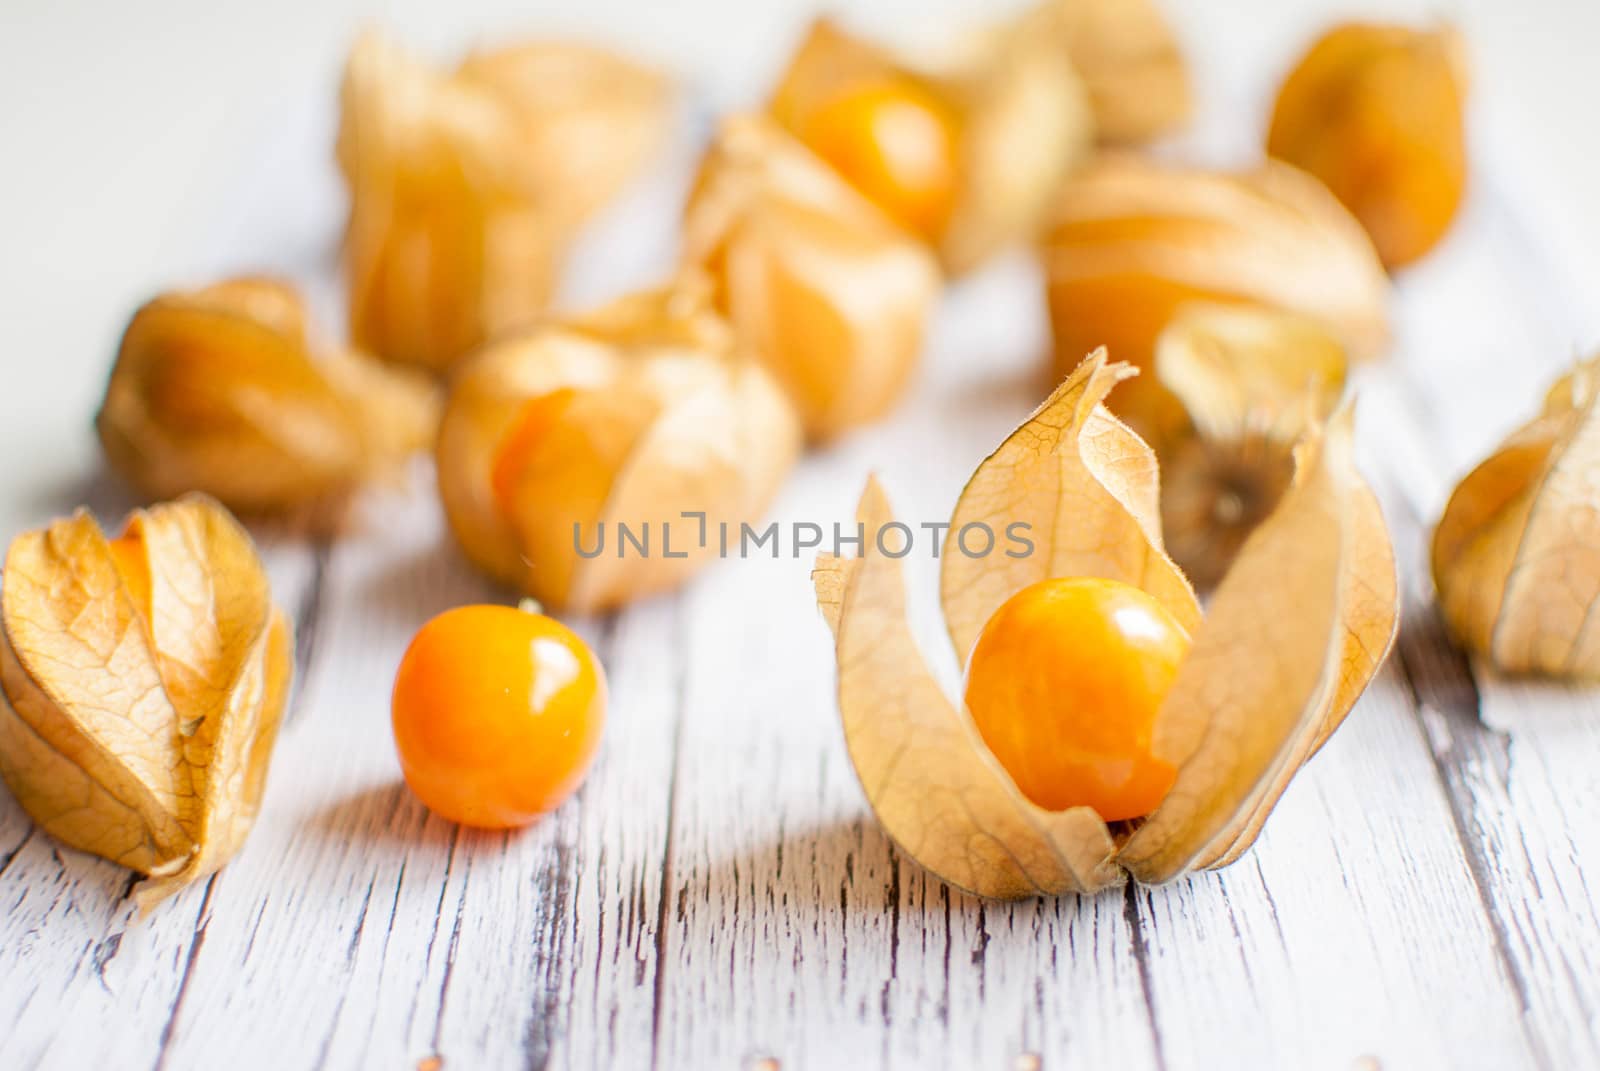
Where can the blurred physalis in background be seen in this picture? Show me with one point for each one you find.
(229, 391)
(468, 185)
(1376, 113)
(815, 280)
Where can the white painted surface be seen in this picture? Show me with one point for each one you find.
(718, 895)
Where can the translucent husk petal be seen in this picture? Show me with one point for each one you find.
(1250, 382)
(1516, 555)
(1130, 63)
(143, 687)
(933, 784)
(816, 281)
(1294, 635)
(664, 416)
(467, 186)
(1131, 243)
(225, 391)
(1377, 112)
(1087, 488)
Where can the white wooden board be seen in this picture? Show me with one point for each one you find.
(717, 896)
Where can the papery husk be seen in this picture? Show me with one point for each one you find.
(1029, 125)
(1378, 113)
(1022, 115)
(588, 120)
(1293, 635)
(467, 186)
(1087, 487)
(667, 416)
(935, 787)
(1292, 638)
(816, 281)
(1130, 63)
(1251, 381)
(226, 391)
(138, 715)
(1516, 554)
(1132, 241)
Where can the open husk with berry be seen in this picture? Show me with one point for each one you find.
(977, 141)
(142, 682)
(1292, 636)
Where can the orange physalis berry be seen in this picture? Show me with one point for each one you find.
(129, 559)
(1064, 684)
(896, 143)
(497, 714)
(530, 430)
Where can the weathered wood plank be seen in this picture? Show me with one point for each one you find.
(1515, 758)
(1357, 901)
(719, 895)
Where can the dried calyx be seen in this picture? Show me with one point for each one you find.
(227, 391)
(643, 414)
(144, 678)
(1315, 585)
(1251, 382)
(1131, 242)
(1516, 555)
(815, 280)
(467, 185)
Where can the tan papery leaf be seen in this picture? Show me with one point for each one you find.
(467, 186)
(634, 415)
(225, 390)
(1516, 555)
(144, 679)
(817, 282)
(927, 774)
(1293, 636)
(1029, 125)
(1130, 63)
(589, 121)
(1250, 381)
(1132, 242)
(1087, 489)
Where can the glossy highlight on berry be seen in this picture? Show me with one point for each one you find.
(497, 714)
(897, 144)
(1064, 684)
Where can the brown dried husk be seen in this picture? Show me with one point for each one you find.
(1132, 241)
(225, 390)
(1315, 587)
(138, 720)
(816, 281)
(1022, 115)
(1516, 555)
(467, 186)
(667, 416)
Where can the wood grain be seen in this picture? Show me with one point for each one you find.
(718, 896)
